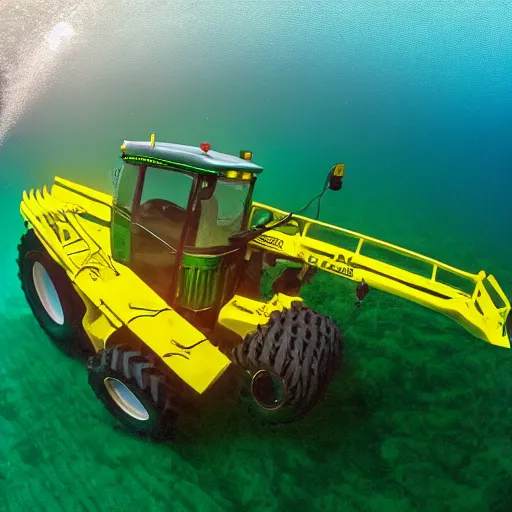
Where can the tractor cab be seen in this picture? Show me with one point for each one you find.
(175, 208)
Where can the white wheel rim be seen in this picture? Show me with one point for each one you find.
(47, 293)
(125, 399)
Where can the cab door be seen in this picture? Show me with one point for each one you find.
(159, 220)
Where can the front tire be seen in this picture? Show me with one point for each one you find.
(55, 304)
(290, 362)
(134, 391)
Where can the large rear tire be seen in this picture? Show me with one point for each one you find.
(290, 362)
(135, 392)
(55, 304)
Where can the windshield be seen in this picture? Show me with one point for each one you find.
(222, 215)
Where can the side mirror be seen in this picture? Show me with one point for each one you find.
(261, 218)
(336, 175)
(207, 188)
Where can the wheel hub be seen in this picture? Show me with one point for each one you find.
(126, 399)
(47, 293)
(268, 389)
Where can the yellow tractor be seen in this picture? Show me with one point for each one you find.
(158, 285)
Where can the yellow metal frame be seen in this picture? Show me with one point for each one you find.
(476, 312)
(73, 223)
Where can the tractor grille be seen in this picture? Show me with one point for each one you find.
(208, 281)
(199, 286)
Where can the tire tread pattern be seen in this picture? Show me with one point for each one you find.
(133, 367)
(73, 340)
(303, 347)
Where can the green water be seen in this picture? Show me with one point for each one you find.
(415, 99)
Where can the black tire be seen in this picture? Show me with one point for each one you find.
(299, 351)
(61, 321)
(508, 325)
(130, 368)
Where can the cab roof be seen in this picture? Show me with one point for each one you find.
(190, 158)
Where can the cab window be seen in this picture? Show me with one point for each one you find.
(163, 205)
(171, 186)
(222, 215)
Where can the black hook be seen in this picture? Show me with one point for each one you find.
(362, 290)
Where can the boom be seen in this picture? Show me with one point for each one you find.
(318, 245)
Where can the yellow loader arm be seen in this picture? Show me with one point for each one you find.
(73, 224)
(318, 245)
